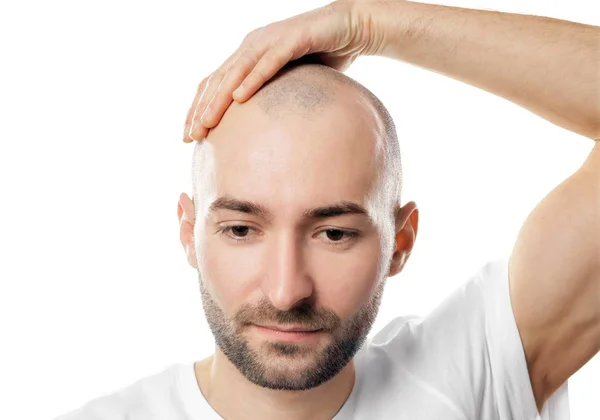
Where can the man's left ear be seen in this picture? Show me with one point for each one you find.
(407, 226)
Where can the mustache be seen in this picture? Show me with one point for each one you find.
(304, 314)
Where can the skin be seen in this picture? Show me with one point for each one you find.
(548, 66)
(477, 47)
(289, 165)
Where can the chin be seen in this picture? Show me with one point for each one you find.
(288, 376)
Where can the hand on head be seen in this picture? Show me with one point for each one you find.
(335, 35)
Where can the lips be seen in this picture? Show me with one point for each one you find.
(288, 333)
(288, 328)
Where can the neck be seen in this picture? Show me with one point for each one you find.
(232, 396)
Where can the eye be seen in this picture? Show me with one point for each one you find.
(237, 233)
(334, 234)
(338, 236)
(240, 231)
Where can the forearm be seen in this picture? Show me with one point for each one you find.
(548, 66)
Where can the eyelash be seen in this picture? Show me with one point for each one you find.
(348, 233)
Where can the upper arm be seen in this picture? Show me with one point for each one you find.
(554, 278)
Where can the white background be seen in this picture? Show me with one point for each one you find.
(95, 288)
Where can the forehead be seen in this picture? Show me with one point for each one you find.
(295, 161)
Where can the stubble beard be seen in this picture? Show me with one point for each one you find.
(289, 366)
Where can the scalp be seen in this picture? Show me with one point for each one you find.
(306, 91)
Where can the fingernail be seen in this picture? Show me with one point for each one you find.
(186, 129)
(193, 134)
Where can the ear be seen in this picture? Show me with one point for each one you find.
(407, 226)
(186, 216)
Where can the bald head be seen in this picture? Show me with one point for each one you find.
(296, 193)
(310, 136)
(305, 90)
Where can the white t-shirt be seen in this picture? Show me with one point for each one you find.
(463, 361)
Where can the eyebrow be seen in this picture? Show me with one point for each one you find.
(249, 207)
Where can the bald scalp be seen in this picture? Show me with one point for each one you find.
(304, 88)
(299, 90)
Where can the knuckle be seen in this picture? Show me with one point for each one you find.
(259, 74)
(272, 27)
(247, 60)
(274, 60)
(216, 76)
(252, 35)
(330, 8)
(302, 38)
(220, 72)
(246, 55)
(299, 45)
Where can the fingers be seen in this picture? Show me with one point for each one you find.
(269, 64)
(196, 130)
(248, 73)
(260, 56)
(204, 94)
(218, 98)
(190, 114)
(222, 98)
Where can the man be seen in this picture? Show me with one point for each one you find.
(296, 222)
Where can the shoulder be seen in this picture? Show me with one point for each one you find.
(465, 355)
(461, 315)
(142, 399)
(441, 359)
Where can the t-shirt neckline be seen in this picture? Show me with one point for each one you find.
(197, 406)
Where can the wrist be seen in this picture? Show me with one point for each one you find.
(382, 24)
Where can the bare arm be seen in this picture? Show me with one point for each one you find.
(552, 68)
(548, 66)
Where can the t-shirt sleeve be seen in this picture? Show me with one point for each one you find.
(508, 366)
(468, 352)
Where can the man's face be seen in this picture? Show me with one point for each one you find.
(282, 241)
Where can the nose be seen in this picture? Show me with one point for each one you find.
(287, 282)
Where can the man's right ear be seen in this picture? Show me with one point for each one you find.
(186, 216)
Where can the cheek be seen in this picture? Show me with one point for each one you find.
(229, 272)
(346, 281)
(343, 281)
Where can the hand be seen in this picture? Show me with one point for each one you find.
(335, 34)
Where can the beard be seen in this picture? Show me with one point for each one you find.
(283, 365)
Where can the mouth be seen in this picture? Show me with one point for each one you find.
(288, 333)
(288, 328)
